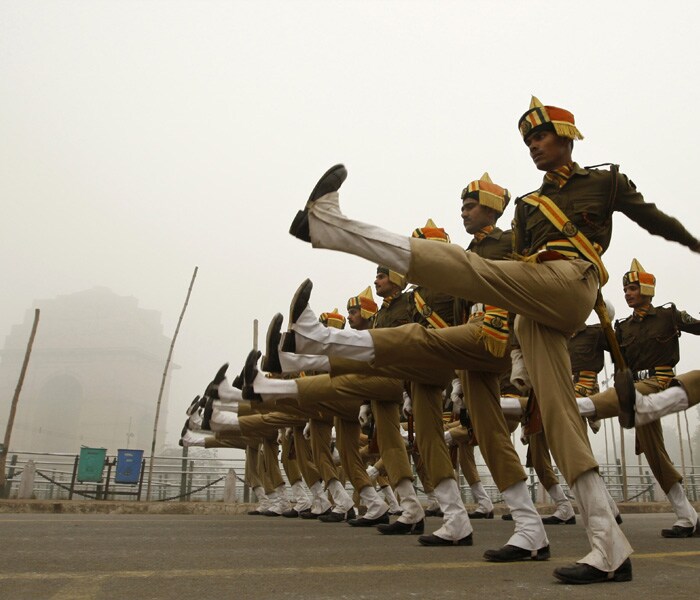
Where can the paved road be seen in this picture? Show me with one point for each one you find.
(86, 557)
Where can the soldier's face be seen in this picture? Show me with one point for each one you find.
(355, 318)
(383, 286)
(634, 297)
(548, 150)
(475, 216)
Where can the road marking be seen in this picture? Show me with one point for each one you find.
(313, 570)
(81, 589)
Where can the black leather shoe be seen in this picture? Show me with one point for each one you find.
(510, 553)
(313, 515)
(552, 520)
(329, 182)
(365, 522)
(618, 519)
(626, 397)
(250, 371)
(434, 512)
(192, 408)
(579, 573)
(291, 513)
(207, 413)
(434, 540)
(254, 512)
(477, 514)
(238, 381)
(300, 300)
(289, 342)
(337, 517)
(507, 517)
(399, 528)
(212, 390)
(682, 532)
(271, 360)
(270, 513)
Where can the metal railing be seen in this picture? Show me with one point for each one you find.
(173, 478)
(202, 479)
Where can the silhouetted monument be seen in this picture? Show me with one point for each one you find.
(93, 378)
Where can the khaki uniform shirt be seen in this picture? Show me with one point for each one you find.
(653, 341)
(588, 199)
(393, 312)
(587, 350)
(435, 302)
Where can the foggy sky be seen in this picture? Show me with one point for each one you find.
(139, 139)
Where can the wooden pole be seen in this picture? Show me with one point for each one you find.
(623, 464)
(162, 385)
(680, 444)
(15, 401)
(692, 460)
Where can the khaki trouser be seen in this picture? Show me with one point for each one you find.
(252, 474)
(539, 459)
(650, 437)
(270, 465)
(321, 449)
(465, 455)
(392, 448)
(552, 300)
(348, 443)
(430, 437)
(346, 393)
(691, 384)
(482, 397)
(290, 464)
(305, 458)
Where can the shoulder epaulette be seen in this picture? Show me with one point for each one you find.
(607, 164)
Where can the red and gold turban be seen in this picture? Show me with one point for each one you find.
(487, 193)
(365, 302)
(637, 274)
(548, 118)
(431, 232)
(394, 277)
(332, 319)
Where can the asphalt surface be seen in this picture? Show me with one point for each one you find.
(94, 556)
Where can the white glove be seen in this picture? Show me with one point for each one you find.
(307, 431)
(332, 435)
(372, 472)
(518, 374)
(289, 432)
(336, 456)
(407, 405)
(448, 438)
(280, 436)
(457, 396)
(365, 414)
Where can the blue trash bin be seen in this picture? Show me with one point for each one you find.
(128, 466)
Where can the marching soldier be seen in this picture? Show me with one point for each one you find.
(649, 342)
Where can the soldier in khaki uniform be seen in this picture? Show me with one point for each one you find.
(561, 231)
(649, 341)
